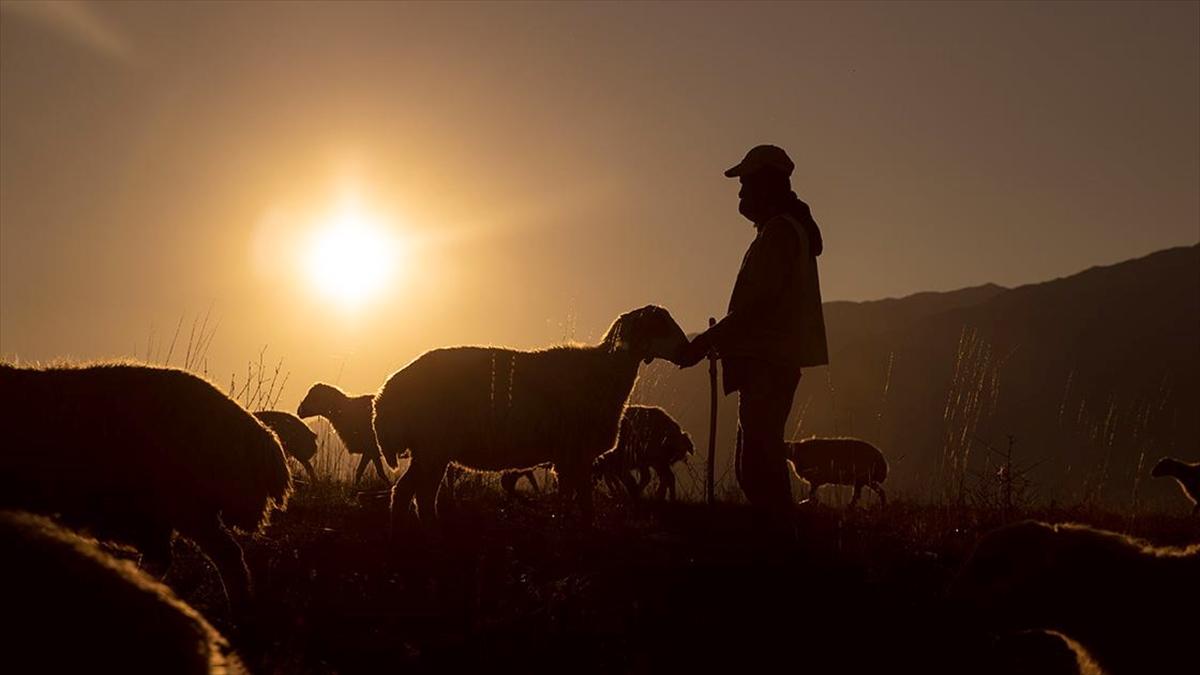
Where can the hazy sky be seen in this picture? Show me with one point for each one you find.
(548, 166)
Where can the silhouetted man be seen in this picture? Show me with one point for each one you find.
(774, 326)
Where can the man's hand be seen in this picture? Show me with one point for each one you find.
(694, 352)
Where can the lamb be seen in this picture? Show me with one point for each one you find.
(351, 419)
(71, 607)
(491, 408)
(648, 438)
(1129, 605)
(135, 453)
(1187, 474)
(839, 461)
(298, 441)
(508, 479)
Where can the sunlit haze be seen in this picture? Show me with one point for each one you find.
(523, 173)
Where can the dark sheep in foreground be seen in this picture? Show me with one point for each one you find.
(1187, 475)
(1129, 605)
(839, 461)
(70, 607)
(350, 417)
(298, 441)
(1036, 652)
(649, 438)
(491, 409)
(135, 453)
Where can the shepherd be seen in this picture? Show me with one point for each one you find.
(774, 326)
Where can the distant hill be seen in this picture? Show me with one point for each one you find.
(1092, 374)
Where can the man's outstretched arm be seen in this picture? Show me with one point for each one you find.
(760, 287)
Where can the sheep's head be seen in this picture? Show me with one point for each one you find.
(321, 399)
(1163, 467)
(686, 447)
(648, 333)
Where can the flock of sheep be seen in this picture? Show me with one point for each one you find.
(136, 454)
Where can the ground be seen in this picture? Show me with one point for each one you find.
(516, 586)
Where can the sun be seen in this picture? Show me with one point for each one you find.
(351, 257)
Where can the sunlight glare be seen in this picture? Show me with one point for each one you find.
(351, 258)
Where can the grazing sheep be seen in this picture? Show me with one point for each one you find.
(508, 479)
(351, 419)
(1130, 605)
(69, 607)
(491, 409)
(839, 461)
(1188, 476)
(297, 439)
(135, 453)
(648, 438)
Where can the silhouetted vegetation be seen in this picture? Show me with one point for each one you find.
(666, 587)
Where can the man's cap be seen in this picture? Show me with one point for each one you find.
(763, 157)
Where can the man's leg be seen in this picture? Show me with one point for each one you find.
(764, 403)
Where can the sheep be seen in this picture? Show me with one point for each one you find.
(71, 607)
(351, 419)
(839, 461)
(135, 453)
(298, 441)
(491, 408)
(648, 438)
(1129, 605)
(1187, 474)
(508, 479)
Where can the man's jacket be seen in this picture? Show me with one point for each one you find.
(775, 310)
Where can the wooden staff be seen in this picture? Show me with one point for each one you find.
(712, 418)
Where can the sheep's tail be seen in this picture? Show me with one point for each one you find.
(267, 483)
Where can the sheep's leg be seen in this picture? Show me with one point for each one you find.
(402, 496)
(879, 491)
(533, 482)
(857, 493)
(812, 493)
(508, 482)
(666, 481)
(576, 479)
(642, 482)
(615, 486)
(634, 489)
(450, 478)
(308, 468)
(358, 472)
(429, 481)
(226, 555)
(378, 462)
